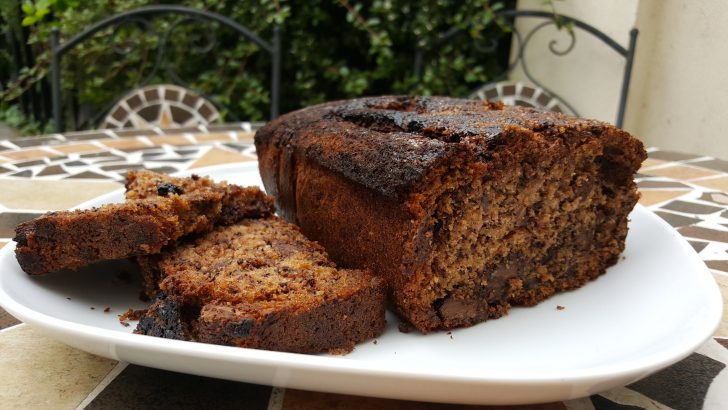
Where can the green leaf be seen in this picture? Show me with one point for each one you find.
(28, 8)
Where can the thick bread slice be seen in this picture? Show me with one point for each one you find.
(262, 284)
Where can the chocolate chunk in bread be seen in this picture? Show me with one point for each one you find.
(465, 207)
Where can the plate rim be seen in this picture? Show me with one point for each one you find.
(317, 363)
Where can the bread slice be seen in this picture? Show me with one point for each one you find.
(237, 202)
(159, 210)
(465, 207)
(262, 284)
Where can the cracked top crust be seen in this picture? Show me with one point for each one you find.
(389, 144)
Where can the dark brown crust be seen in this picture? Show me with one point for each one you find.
(362, 177)
(334, 326)
(390, 144)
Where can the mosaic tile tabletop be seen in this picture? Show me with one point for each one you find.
(55, 172)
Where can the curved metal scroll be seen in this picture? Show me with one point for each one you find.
(141, 17)
(523, 41)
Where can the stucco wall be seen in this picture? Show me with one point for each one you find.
(679, 94)
(679, 98)
(589, 77)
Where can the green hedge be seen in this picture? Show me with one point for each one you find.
(332, 49)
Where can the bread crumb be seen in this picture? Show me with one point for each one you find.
(68, 298)
(92, 308)
(340, 352)
(107, 309)
(375, 341)
(131, 314)
(405, 327)
(559, 307)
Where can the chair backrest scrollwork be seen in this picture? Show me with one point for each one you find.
(142, 17)
(521, 41)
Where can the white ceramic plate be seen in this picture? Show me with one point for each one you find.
(653, 308)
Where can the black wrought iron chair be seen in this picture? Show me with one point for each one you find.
(536, 93)
(144, 16)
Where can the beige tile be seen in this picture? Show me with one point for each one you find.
(649, 162)
(216, 156)
(41, 373)
(126, 143)
(26, 154)
(722, 280)
(213, 137)
(170, 140)
(650, 197)
(682, 172)
(245, 136)
(77, 148)
(51, 195)
(714, 183)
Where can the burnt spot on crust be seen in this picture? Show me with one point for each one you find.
(239, 329)
(391, 144)
(168, 317)
(166, 188)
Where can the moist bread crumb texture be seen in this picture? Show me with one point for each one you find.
(236, 202)
(262, 284)
(464, 207)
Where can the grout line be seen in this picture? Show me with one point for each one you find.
(189, 137)
(8, 144)
(275, 401)
(145, 139)
(113, 373)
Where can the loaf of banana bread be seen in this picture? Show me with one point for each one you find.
(262, 284)
(465, 207)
